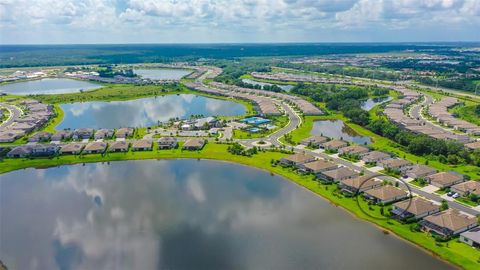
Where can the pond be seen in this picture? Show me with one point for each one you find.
(372, 102)
(162, 73)
(285, 87)
(184, 214)
(144, 112)
(48, 86)
(338, 130)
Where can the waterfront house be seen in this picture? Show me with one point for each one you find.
(95, 148)
(356, 150)
(124, 133)
(318, 166)
(314, 141)
(41, 136)
(20, 151)
(448, 223)
(359, 184)
(118, 146)
(44, 150)
(142, 145)
(395, 164)
(103, 133)
(375, 157)
(296, 159)
(337, 175)
(416, 208)
(167, 143)
(444, 179)
(419, 171)
(334, 145)
(471, 237)
(73, 148)
(467, 188)
(194, 144)
(385, 194)
(82, 133)
(62, 135)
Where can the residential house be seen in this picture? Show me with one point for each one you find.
(73, 148)
(396, 164)
(467, 188)
(103, 133)
(118, 146)
(375, 157)
(416, 208)
(296, 159)
(82, 133)
(11, 135)
(95, 148)
(444, 179)
(419, 171)
(337, 175)
(20, 151)
(44, 150)
(124, 133)
(359, 184)
(385, 194)
(473, 145)
(314, 141)
(62, 135)
(318, 166)
(471, 237)
(194, 144)
(448, 223)
(41, 136)
(167, 143)
(142, 145)
(356, 150)
(334, 145)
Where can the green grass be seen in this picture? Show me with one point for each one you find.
(467, 113)
(457, 253)
(466, 201)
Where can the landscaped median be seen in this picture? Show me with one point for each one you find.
(452, 251)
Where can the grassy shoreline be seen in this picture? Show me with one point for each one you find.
(454, 252)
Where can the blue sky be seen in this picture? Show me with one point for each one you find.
(212, 21)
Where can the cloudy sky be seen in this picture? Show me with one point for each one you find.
(200, 21)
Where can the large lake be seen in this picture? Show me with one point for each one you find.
(286, 87)
(48, 86)
(144, 112)
(338, 130)
(162, 73)
(183, 214)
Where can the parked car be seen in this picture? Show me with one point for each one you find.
(456, 195)
(450, 194)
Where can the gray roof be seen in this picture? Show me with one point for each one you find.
(473, 234)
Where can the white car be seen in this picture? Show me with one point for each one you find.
(456, 195)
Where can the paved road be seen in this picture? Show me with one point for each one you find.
(15, 113)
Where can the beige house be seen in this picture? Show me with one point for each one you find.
(385, 194)
(72, 148)
(467, 188)
(375, 157)
(95, 147)
(444, 179)
(448, 223)
(337, 175)
(417, 208)
(318, 166)
(193, 144)
(396, 164)
(359, 184)
(142, 145)
(119, 146)
(314, 141)
(334, 145)
(419, 171)
(296, 159)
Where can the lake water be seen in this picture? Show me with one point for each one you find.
(372, 102)
(285, 87)
(338, 130)
(144, 112)
(48, 86)
(183, 214)
(162, 73)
